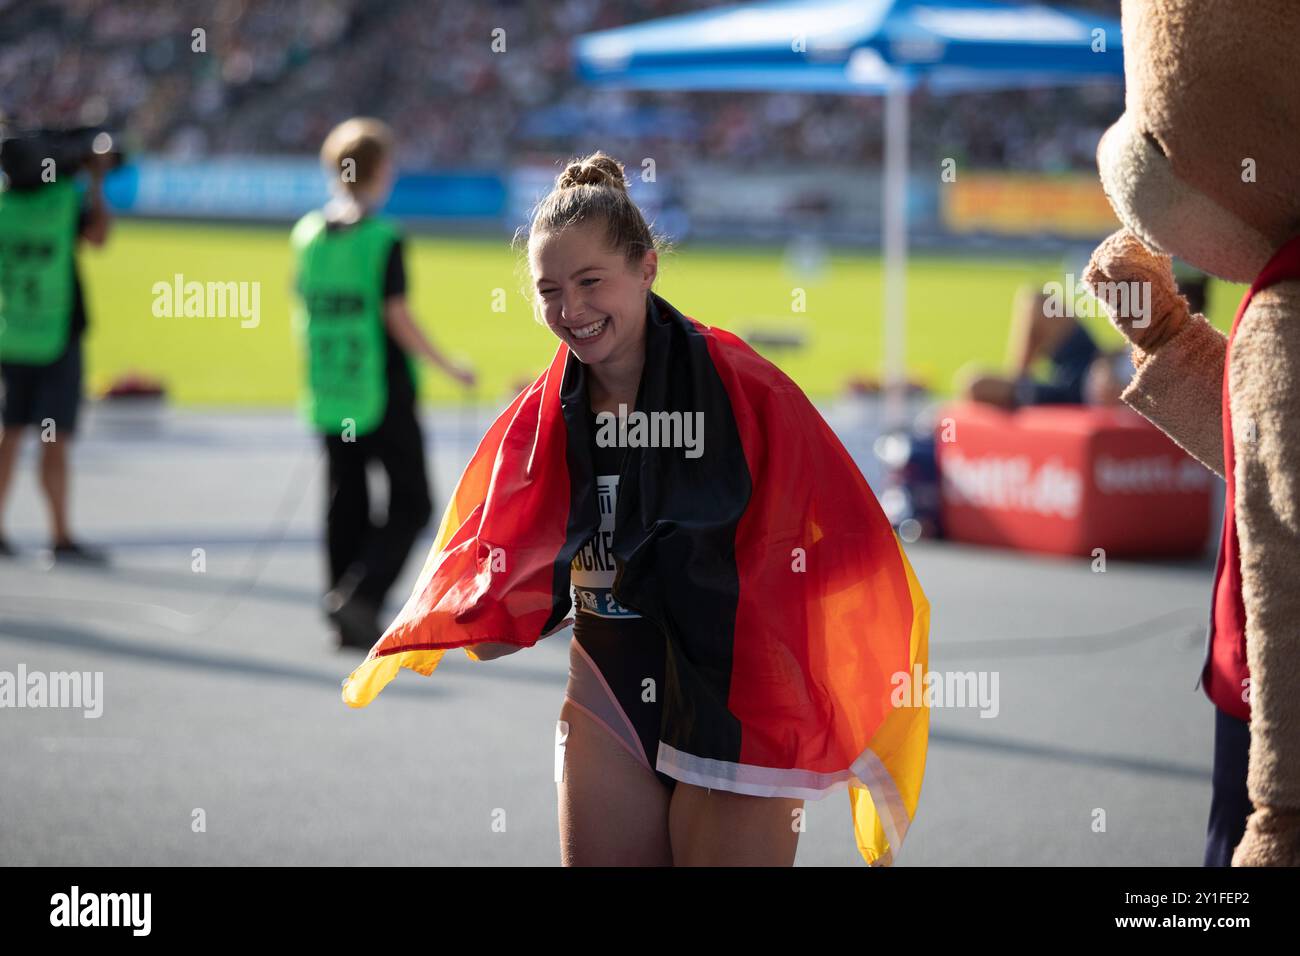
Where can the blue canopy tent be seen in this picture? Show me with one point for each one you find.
(868, 48)
(570, 120)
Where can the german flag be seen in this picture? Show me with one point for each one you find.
(788, 604)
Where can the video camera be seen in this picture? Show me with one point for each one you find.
(23, 154)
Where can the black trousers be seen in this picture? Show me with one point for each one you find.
(1230, 803)
(365, 558)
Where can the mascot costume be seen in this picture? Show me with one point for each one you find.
(1204, 164)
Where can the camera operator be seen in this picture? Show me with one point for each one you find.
(42, 320)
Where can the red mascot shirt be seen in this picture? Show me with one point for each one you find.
(1225, 676)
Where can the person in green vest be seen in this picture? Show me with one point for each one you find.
(42, 320)
(358, 342)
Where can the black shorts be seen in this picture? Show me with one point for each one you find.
(35, 394)
(609, 662)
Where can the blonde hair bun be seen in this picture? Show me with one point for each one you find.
(598, 169)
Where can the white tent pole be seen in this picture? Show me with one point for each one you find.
(894, 186)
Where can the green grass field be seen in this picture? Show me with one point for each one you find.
(958, 311)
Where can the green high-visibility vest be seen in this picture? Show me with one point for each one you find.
(38, 234)
(339, 316)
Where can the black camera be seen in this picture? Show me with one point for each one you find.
(27, 156)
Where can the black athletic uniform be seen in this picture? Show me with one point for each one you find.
(626, 648)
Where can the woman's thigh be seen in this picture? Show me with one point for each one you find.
(719, 828)
(613, 811)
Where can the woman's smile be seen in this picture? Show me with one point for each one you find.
(587, 332)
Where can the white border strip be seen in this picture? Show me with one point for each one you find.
(867, 770)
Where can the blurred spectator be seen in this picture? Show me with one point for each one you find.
(274, 76)
(1078, 371)
(42, 322)
(1037, 333)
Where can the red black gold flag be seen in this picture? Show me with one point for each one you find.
(787, 602)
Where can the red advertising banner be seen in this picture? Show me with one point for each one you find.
(1068, 479)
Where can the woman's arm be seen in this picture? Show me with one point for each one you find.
(490, 650)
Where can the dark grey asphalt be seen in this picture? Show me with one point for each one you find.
(223, 697)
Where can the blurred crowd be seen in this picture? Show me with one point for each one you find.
(275, 75)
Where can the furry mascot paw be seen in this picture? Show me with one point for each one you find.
(1123, 259)
(1272, 838)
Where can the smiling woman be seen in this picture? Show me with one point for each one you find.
(741, 603)
(593, 260)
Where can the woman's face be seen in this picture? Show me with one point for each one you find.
(591, 298)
